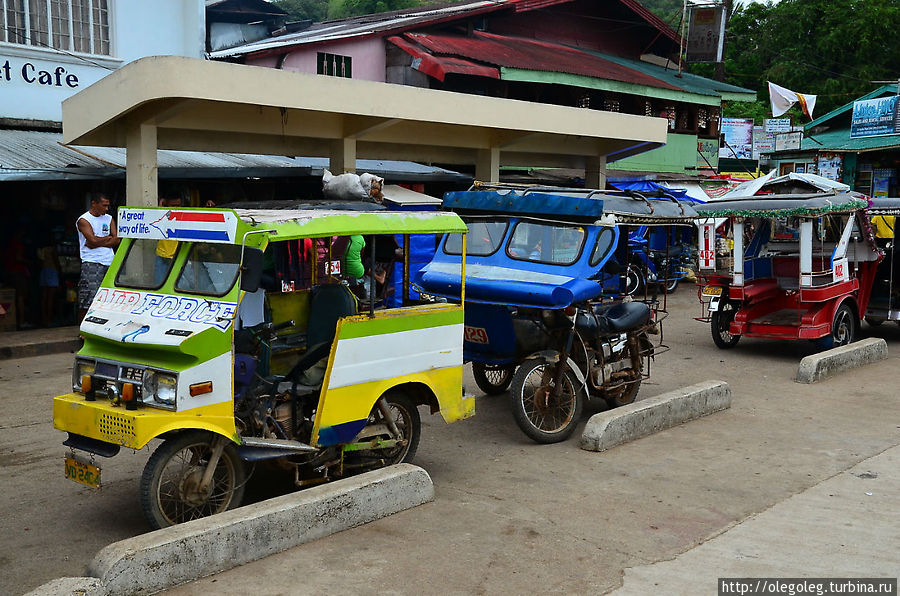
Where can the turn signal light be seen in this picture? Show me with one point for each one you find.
(570, 311)
(200, 388)
(87, 387)
(128, 396)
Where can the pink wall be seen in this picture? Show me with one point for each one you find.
(367, 55)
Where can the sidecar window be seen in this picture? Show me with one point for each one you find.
(147, 264)
(210, 269)
(545, 243)
(603, 246)
(483, 239)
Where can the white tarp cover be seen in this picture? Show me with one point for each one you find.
(751, 187)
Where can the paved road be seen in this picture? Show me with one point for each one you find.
(510, 516)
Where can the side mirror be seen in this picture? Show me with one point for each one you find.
(251, 269)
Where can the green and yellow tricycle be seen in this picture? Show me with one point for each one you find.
(232, 336)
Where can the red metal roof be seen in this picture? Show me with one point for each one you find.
(529, 54)
(439, 66)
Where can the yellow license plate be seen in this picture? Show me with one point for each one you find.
(86, 474)
(712, 291)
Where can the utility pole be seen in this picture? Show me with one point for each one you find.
(720, 66)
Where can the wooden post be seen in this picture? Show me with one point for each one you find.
(141, 172)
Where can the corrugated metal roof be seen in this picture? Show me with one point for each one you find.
(439, 66)
(366, 25)
(531, 54)
(839, 140)
(848, 107)
(37, 155)
(686, 81)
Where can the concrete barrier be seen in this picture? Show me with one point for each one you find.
(830, 362)
(627, 423)
(165, 558)
(71, 586)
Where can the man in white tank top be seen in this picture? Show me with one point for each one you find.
(97, 238)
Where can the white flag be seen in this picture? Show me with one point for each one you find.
(782, 99)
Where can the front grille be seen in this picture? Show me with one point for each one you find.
(117, 429)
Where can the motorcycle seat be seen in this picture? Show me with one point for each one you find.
(627, 315)
(673, 251)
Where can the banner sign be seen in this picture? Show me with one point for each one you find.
(738, 135)
(788, 141)
(707, 153)
(177, 224)
(706, 34)
(875, 117)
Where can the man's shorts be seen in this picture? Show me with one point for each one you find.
(91, 276)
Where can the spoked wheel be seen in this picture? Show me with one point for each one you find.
(671, 285)
(634, 279)
(540, 415)
(493, 379)
(720, 324)
(171, 491)
(405, 417)
(843, 329)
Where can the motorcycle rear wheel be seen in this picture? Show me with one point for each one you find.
(169, 490)
(720, 325)
(407, 420)
(541, 418)
(493, 379)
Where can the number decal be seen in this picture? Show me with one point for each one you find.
(476, 335)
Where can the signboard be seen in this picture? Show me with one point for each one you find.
(788, 141)
(177, 224)
(763, 142)
(829, 165)
(706, 34)
(776, 125)
(738, 135)
(875, 117)
(707, 153)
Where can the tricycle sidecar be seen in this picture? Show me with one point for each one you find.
(800, 266)
(249, 346)
(538, 264)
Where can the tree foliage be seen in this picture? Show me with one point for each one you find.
(300, 10)
(831, 49)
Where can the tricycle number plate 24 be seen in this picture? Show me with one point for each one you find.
(86, 474)
(712, 291)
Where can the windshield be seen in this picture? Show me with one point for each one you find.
(484, 238)
(147, 264)
(210, 269)
(546, 243)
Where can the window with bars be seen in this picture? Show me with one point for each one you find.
(70, 25)
(334, 65)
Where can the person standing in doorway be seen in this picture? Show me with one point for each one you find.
(97, 239)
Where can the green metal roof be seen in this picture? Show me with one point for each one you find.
(688, 82)
(839, 140)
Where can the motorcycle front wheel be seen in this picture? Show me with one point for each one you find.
(541, 416)
(493, 379)
(170, 484)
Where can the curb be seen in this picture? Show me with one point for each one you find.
(830, 362)
(627, 423)
(165, 558)
(40, 349)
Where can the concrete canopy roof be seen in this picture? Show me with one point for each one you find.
(171, 102)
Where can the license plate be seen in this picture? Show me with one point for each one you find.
(86, 474)
(712, 291)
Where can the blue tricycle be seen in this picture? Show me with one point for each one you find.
(544, 314)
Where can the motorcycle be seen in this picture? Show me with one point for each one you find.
(598, 353)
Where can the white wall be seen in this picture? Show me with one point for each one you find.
(138, 28)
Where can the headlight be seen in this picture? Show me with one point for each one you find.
(82, 368)
(159, 387)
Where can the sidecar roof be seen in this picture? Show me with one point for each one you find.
(601, 207)
(785, 205)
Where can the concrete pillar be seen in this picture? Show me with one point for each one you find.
(595, 172)
(343, 156)
(141, 175)
(487, 165)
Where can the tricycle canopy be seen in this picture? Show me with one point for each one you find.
(785, 205)
(539, 247)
